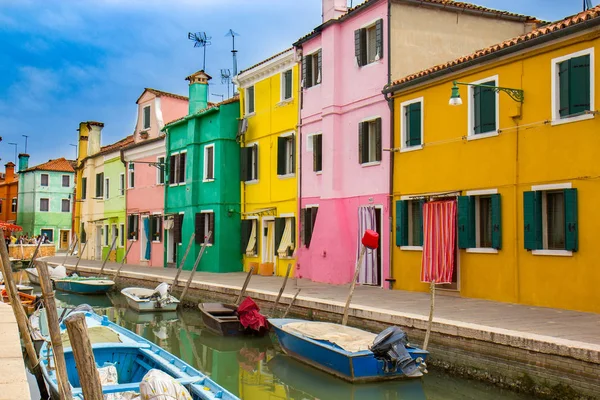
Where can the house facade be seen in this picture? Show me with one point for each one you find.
(113, 222)
(9, 194)
(202, 193)
(517, 156)
(46, 195)
(145, 175)
(269, 93)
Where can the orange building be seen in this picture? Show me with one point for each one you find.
(8, 194)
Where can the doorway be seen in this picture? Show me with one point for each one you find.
(171, 246)
(369, 218)
(98, 255)
(268, 240)
(64, 240)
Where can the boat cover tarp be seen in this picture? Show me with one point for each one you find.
(157, 385)
(250, 316)
(97, 334)
(349, 339)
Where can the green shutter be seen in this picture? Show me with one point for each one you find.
(245, 232)
(401, 223)
(293, 231)
(378, 144)
(199, 228)
(496, 222)
(279, 228)
(532, 220)
(302, 226)
(476, 109)
(420, 239)
(466, 222)
(83, 188)
(571, 223)
(305, 62)
(244, 171)
(379, 37)
(487, 109)
(563, 87)
(414, 124)
(288, 84)
(281, 155)
(357, 47)
(293, 139)
(579, 84)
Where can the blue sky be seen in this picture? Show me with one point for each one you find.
(66, 61)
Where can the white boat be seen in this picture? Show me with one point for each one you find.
(55, 273)
(33, 276)
(158, 299)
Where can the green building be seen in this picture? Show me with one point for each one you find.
(203, 192)
(45, 198)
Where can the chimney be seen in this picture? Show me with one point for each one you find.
(9, 176)
(333, 9)
(90, 138)
(198, 91)
(23, 162)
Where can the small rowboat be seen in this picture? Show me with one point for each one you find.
(346, 352)
(142, 299)
(84, 285)
(21, 288)
(27, 300)
(33, 276)
(221, 319)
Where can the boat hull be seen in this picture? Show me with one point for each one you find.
(219, 326)
(33, 276)
(83, 287)
(147, 305)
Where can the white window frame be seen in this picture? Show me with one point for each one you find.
(61, 202)
(205, 178)
(377, 57)
(247, 103)
(130, 173)
(555, 97)
(256, 221)
(288, 156)
(544, 189)
(62, 178)
(403, 121)
(369, 120)
(144, 127)
(282, 98)
(471, 135)
(13, 205)
(47, 181)
(255, 180)
(106, 188)
(410, 222)
(478, 248)
(40, 206)
(184, 169)
(160, 170)
(155, 215)
(122, 184)
(207, 224)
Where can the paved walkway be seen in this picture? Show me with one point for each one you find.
(13, 381)
(562, 327)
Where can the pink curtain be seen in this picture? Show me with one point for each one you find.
(439, 241)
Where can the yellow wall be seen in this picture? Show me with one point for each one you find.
(527, 151)
(82, 152)
(271, 119)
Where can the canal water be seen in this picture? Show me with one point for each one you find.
(256, 369)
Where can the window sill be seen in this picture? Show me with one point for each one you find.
(284, 102)
(411, 248)
(477, 136)
(310, 87)
(371, 64)
(482, 250)
(286, 176)
(251, 255)
(411, 148)
(370, 164)
(252, 182)
(207, 180)
(156, 241)
(285, 258)
(568, 120)
(318, 172)
(559, 253)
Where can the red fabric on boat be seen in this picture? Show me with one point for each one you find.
(250, 316)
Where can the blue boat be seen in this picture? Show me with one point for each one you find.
(346, 352)
(133, 357)
(83, 285)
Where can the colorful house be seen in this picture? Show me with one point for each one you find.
(9, 194)
(345, 122)
(517, 156)
(46, 196)
(269, 93)
(145, 176)
(203, 190)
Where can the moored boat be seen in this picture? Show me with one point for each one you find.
(33, 276)
(84, 285)
(28, 301)
(144, 300)
(350, 353)
(221, 319)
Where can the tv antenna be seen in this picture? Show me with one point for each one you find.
(587, 4)
(25, 136)
(200, 39)
(226, 78)
(234, 55)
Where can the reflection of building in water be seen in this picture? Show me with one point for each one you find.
(256, 381)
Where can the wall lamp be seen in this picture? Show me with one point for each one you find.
(455, 100)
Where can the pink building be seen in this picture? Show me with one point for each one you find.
(145, 176)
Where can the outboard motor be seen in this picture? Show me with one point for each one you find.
(161, 295)
(390, 347)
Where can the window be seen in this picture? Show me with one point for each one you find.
(249, 163)
(105, 232)
(285, 236)
(146, 117)
(66, 181)
(550, 219)
(286, 155)
(82, 234)
(44, 204)
(409, 223)
(13, 206)
(44, 180)
(114, 231)
(412, 124)
(121, 184)
(480, 220)
(122, 235)
(107, 188)
(160, 171)
(83, 188)
(249, 244)
(65, 205)
(132, 226)
(572, 85)
(177, 168)
(308, 216)
(317, 148)
(131, 170)
(99, 185)
(483, 107)
(286, 85)
(205, 223)
(250, 100)
(209, 163)
(369, 141)
(311, 69)
(368, 43)
(156, 227)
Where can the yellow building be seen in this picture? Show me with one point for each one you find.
(523, 171)
(269, 109)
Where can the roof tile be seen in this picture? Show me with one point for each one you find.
(59, 165)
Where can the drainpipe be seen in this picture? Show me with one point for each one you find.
(390, 101)
(299, 169)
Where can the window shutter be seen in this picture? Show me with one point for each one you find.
(315, 153)
(177, 225)
(83, 188)
(245, 231)
(279, 228)
(199, 228)
(211, 227)
(293, 230)
(414, 124)
(421, 204)
(532, 220)
(379, 37)
(308, 226)
(281, 155)
(579, 85)
(378, 149)
(287, 76)
(293, 139)
(171, 170)
(401, 223)
(357, 47)
(302, 222)
(253, 167)
(564, 108)
(182, 164)
(476, 109)
(305, 74)
(98, 185)
(466, 222)
(244, 156)
(319, 66)
(571, 223)
(363, 150)
(313, 220)
(496, 222)
(487, 108)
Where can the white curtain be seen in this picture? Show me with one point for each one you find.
(368, 269)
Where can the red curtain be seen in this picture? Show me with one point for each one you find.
(439, 241)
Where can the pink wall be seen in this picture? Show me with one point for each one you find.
(347, 95)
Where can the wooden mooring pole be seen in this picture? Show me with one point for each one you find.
(112, 246)
(20, 316)
(246, 282)
(189, 246)
(187, 285)
(64, 389)
(123, 261)
(353, 285)
(289, 307)
(80, 255)
(430, 321)
(287, 275)
(84, 357)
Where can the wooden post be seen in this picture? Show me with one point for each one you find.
(20, 316)
(35, 253)
(108, 255)
(246, 282)
(68, 250)
(80, 254)
(64, 389)
(123, 261)
(353, 285)
(187, 285)
(289, 307)
(84, 357)
(287, 274)
(430, 322)
(189, 246)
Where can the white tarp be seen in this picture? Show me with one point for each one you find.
(349, 339)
